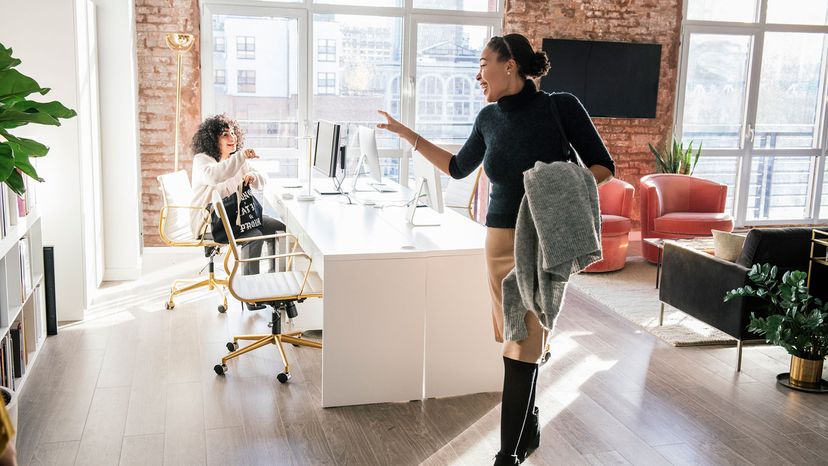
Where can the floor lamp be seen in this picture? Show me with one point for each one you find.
(180, 43)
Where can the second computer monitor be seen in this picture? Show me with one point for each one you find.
(368, 151)
(427, 182)
(326, 150)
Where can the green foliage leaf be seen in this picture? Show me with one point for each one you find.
(54, 109)
(13, 119)
(23, 164)
(6, 160)
(6, 59)
(16, 84)
(676, 158)
(29, 147)
(15, 182)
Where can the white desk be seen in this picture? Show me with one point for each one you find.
(406, 313)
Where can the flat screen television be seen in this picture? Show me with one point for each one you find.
(612, 79)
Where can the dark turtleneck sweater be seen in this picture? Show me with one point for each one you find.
(509, 137)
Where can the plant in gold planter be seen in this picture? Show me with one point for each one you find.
(795, 321)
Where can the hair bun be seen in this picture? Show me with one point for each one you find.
(538, 66)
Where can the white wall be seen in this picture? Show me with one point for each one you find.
(119, 139)
(42, 34)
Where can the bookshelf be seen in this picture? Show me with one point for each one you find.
(22, 297)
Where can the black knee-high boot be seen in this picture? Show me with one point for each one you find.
(518, 383)
(530, 440)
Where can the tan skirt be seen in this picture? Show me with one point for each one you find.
(500, 260)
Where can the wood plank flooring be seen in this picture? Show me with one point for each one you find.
(134, 385)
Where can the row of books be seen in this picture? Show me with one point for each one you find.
(12, 206)
(26, 278)
(14, 355)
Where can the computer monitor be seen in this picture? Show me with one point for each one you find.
(328, 158)
(426, 183)
(369, 158)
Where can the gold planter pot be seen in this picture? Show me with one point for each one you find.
(806, 373)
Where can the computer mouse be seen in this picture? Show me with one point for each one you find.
(408, 246)
(287, 196)
(369, 202)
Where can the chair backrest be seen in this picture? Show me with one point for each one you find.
(683, 193)
(231, 238)
(459, 194)
(176, 191)
(615, 197)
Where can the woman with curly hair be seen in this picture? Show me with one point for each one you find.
(220, 165)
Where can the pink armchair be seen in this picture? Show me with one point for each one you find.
(615, 199)
(680, 206)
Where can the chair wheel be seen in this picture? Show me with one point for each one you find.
(169, 305)
(222, 309)
(546, 357)
(220, 369)
(232, 346)
(282, 377)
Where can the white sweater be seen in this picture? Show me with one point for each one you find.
(222, 177)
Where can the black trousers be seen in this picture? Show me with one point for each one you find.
(269, 226)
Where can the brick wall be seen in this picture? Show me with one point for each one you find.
(651, 21)
(156, 98)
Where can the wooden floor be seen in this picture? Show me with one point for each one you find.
(134, 384)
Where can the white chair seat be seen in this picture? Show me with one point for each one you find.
(268, 286)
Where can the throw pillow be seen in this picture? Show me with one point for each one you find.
(727, 245)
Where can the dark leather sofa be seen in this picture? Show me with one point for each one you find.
(695, 282)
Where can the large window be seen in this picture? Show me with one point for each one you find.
(331, 60)
(752, 92)
(219, 44)
(245, 47)
(247, 81)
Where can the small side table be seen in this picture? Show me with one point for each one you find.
(819, 239)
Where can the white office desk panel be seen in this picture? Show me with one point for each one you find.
(406, 312)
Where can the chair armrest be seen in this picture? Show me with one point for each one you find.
(262, 237)
(276, 256)
(695, 282)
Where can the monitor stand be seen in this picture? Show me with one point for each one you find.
(422, 188)
(375, 187)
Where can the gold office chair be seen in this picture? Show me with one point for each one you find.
(279, 290)
(460, 194)
(175, 230)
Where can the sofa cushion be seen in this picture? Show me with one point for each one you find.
(786, 248)
(693, 223)
(612, 225)
(727, 245)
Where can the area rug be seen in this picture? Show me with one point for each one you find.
(631, 293)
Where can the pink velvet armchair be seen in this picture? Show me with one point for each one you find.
(615, 199)
(680, 206)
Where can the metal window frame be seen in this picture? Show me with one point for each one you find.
(746, 153)
(304, 12)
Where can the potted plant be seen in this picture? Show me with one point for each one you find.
(675, 158)
(17, 110)
(795, 320)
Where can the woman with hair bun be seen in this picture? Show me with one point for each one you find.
(508, 138)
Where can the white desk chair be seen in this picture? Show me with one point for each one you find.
(279, 290)
(459, 195)
(175, 231)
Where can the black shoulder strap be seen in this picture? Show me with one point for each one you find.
(568, 150)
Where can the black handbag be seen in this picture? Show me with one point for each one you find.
(243, 211)
(569, 151)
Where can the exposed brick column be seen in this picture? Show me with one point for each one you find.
(650, 21)
(156, 98)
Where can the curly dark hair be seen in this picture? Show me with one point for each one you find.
(205, 139)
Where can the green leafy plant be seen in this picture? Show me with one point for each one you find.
(675, 158)
(796, 320)
(15, 111)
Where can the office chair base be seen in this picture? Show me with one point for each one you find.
(259, 341)
(211, 282)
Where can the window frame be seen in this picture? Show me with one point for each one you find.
(246, 53)
(246, 83)
(304, 11)
(745, 152)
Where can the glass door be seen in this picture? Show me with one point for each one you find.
(785, 137)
